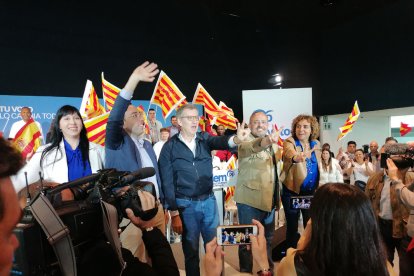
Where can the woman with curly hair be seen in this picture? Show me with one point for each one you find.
(300, 177)
(341, 238)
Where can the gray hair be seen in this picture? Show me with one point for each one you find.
(396, 149)
(185, 107)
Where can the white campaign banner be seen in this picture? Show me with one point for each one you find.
(280, 105)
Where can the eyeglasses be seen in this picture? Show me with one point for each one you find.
(191, 118)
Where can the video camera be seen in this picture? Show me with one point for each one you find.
(401, 154)
(83, 216)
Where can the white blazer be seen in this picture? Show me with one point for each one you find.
(334, 176)
(55, 166)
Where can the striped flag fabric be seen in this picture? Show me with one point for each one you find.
(96, 128)
(229, 193)
(110, 92)
(232, 163)
(184, 102)
(141, 109)
(27, 139)
(166, 95)
(280, 140)
(228, 120)
(202, 97)
(90, 106)
(349, 123)
(404, 129)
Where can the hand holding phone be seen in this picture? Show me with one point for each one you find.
(235, 234)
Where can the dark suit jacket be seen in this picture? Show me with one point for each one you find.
(121, 153)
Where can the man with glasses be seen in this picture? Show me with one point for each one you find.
(257, 184)
(127, 150)
(186, 173)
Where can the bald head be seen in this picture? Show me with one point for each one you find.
(373, 147)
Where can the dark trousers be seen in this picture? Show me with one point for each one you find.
(406, 258)
(390, 242)
(292, 216)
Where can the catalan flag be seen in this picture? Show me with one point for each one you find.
(404, 129)
(141, 110)
(184, 102)
(232, 163)
(90, 106)
(202, 123)
(228, 120)
(96, 128)
(349, 123)
(110, 92)
(229, 193)
(280, 140)
(202, 97)
(27, 139)
(166, 95)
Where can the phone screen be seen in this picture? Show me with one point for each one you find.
(300, 202)
(235, 234)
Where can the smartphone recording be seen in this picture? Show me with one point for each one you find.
(300, 202)
(235, 234)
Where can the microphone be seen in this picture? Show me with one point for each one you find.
(75, 183)
(138, 174)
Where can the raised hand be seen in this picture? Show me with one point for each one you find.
(392, 170)
(242, 132)
(306, 153)
(274, 135)
(146, 72)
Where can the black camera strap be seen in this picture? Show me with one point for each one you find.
(110, 223)
(56, 232)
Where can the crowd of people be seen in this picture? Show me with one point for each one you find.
(360, 213)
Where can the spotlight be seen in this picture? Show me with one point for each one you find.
(278, 79)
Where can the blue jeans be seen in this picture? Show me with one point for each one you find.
(292, 216)
(197, 217)
(246, 214)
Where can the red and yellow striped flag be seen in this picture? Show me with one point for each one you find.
(349, 123)
(147, 128)
(229, 193)
(182, 103)
(232, 163)
(280, 140)
(90, 106)
(404, 129)
(110, 92)
(96, 128)
(166, 95)
(27, 139)
(228, 120)
(202, 97)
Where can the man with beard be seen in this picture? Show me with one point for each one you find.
(127, 150)
(257, 184)
(390, 211)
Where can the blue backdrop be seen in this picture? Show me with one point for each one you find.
(44, 110)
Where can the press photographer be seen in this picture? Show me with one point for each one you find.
(84, 232)
(390, 210)
(406, 195)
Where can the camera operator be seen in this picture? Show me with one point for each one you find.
(406, 195)
(391, 212)
(10, 163)
(102, 260)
